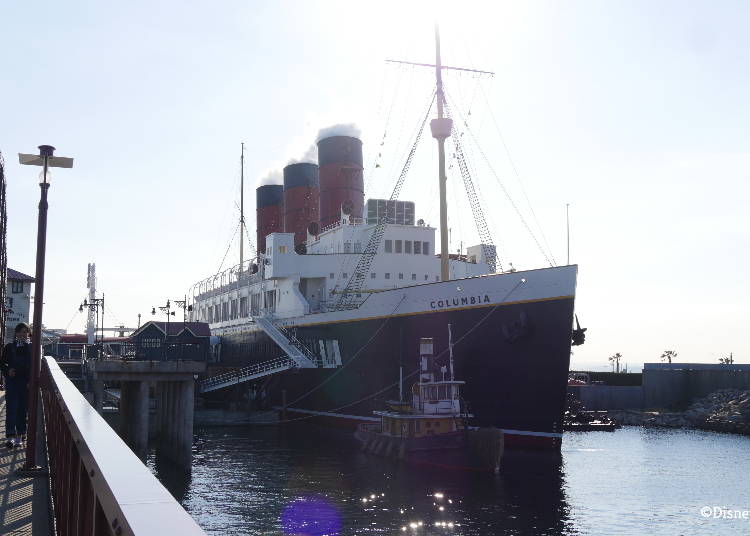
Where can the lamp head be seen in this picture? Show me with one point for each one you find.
(46, 150)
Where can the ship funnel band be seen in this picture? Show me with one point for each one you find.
(269, 195)
(340, 150)
(301, 174)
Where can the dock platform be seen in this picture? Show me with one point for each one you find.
(24, 501)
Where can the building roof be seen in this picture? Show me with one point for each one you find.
(73, 338)
(15, 275)
(198, 329)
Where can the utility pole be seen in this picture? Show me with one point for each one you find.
(242, 208)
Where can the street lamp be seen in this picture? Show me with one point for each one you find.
(45, 159)
(168, 310)
(95, 303)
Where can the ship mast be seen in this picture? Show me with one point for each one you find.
(441, 129)
(242, 205)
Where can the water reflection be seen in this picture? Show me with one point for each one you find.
(312, 481)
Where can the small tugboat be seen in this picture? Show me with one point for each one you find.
(432, 428)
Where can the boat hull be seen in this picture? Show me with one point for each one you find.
(513, 355)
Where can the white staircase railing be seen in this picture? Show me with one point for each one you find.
(248, 373)
(287, 342)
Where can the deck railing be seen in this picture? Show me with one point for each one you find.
(99, 487)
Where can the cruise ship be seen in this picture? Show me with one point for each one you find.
(325, 321)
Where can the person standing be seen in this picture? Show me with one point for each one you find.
(16, 369)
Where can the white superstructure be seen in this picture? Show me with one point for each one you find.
(289, 285)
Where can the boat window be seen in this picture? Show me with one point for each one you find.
(426, 277)
(416, 425)
(345, 275)
(455, 392)
(399, 245)
(389, 246)
(282, 249)
(400, 276)
(442, 395)
(357, 247)
(413, 277)
(417, 247)
(387, 275)
(428, 423)
(407, 246)
(425, 248)
(437, 278)
(347, 247)
(372, 275)
(331, 275)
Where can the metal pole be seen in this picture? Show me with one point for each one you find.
(567, 227)
(36, 335)
(242, 208)
(444, 273)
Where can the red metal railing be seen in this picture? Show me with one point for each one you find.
(99, 487)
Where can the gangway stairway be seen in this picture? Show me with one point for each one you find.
(297, 356)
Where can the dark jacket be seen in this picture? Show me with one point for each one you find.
(16, 357)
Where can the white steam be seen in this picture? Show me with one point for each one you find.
(342, 129)
(272, 177)
(310, 156)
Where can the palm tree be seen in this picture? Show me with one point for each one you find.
(668, 355)
(615, 360)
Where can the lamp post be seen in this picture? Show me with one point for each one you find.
(167, 309)
(95, 303)
(45, 159)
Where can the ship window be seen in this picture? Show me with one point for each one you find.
(413, 277)
(16, 287)
(357, 247)
(243, 307)
(400, 276)
(437, 278)
(332, 275)
(282, 249)
(417, 247)
(399, 246)
(425, 248)
(345, 275)
(389, 246)
(407, 246)
(426, 277)
(347, 247)
(387, 275)
(9, 302)
(442, 395)
(372, 275)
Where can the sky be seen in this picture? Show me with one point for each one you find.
(635, 114)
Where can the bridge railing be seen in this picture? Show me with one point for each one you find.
(99, 487)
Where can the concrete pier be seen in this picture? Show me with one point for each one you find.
(174, 392)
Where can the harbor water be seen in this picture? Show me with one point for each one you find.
(304, 480)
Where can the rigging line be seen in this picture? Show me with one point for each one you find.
(379, 149)
(76, 313)
(231, 240)
(348, 260)
(518, 176)
(356, 281)
(437, 357)
(488, 248)
(505, 191)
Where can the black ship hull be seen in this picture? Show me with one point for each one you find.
(514, 358)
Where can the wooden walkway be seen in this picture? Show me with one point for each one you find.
(24, 502)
